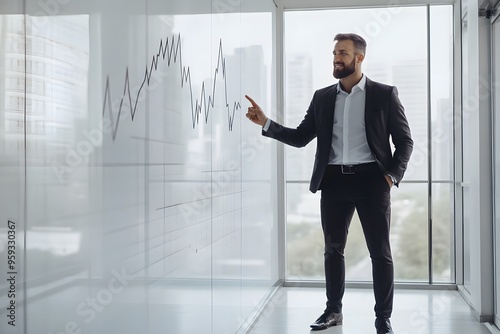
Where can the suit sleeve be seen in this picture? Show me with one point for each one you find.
(297, 137)
(401, 137)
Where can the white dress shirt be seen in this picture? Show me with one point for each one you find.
(349, 143)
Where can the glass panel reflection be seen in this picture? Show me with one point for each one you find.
(149, 197)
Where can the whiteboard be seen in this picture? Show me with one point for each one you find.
(142, 197)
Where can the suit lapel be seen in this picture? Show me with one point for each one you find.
(369, 102)
(327, 122)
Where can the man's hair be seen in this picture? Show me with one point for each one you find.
(359, 42)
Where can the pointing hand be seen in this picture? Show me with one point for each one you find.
(255, 113)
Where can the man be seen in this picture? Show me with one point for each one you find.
(354, 168)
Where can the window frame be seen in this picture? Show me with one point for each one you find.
(456, 262)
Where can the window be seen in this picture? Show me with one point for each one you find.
(396, 59)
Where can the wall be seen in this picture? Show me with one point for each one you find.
(496, 110)
(136, 197)
(477, 162)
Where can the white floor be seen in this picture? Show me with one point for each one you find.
(292, 310)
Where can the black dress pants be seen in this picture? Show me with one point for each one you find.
(367, 191)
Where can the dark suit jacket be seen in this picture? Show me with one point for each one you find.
(384, 118)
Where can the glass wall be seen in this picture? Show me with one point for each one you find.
(466, 146)
(419, 63)
(136, 197)
(496, 161)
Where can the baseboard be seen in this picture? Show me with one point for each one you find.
(482, 318)
(251, 321)
(492, 328)
(369, 285)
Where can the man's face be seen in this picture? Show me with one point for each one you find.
(344, 59)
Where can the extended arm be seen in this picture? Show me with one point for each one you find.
(298, 137)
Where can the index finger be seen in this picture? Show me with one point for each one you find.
(254, 104)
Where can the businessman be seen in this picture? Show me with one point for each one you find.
(354, 167)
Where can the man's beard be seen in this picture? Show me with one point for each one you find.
(345, 71)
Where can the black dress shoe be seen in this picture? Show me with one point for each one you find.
(383, 326)
(327, 319)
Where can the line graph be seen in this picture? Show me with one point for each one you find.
(171, 51)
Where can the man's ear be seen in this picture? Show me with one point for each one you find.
(360, 57)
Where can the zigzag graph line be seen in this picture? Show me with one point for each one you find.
(172, 51)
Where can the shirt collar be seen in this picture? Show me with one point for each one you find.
(361, 85)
